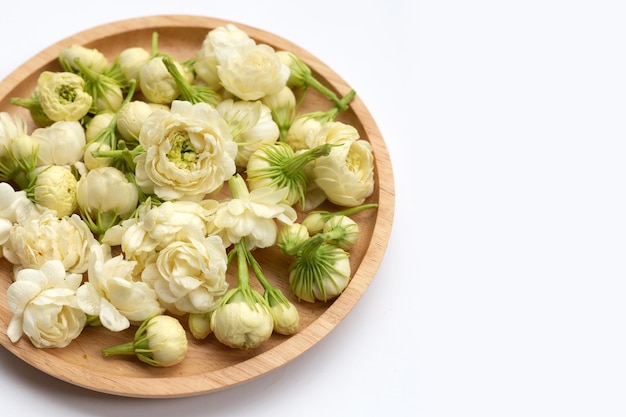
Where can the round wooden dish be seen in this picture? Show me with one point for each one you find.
(209, 365)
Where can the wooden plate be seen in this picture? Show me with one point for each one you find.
(209, 366)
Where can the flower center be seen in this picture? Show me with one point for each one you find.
(181, 154)
(66, 94)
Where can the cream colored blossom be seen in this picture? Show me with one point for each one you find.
(221, 37)
(62, 96)
(12, 129)
(160, 341)
(112, 295)
(15, 207)
(131, 117)
(252, 215)
(61, 143)
(55, 189)
(189, 276)
(156, 227)
(189, 152)
(286, 318)
(251, 72)
(346, 175)
(242, 321)
(90, 57)
(157, 84)
(44, 306)
(301, 131)
(319, 272)
(105, 190)
(251, 125)
(131, 60)
(47, 237)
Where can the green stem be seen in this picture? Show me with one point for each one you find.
(295, 164)
(123, 349)
(243, 274)
(256, 268)
(346, 212)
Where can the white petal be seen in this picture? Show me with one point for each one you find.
(111, 318)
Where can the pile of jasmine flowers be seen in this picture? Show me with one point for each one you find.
(112, 211)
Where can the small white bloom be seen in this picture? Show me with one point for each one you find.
(157, 84)
(55, 189)
(160, 341)
(14, 131)
(97, 124)
(189, 277)
(44, 306)
(301, 131)
(61, 143)
(346, 175)
(111, 293)
(221, 37)
(251, 72)
(48, 237)
(242, 321)
(251, 125)
(131, 61)
(286, 318)
(15, 207)
(90, 57)
(105, 190)
(189, 152)
(93, 162)
(177, 221)
(131, 117)
(334, 133)
(252, 214)
(62, 96)
(321, 273)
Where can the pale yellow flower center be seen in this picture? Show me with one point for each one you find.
(66, 93)
(182, 154)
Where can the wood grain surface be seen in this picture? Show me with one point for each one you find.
(209, 365)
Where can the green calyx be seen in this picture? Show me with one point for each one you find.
(190, 92)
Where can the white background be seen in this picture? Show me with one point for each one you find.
(502, 292)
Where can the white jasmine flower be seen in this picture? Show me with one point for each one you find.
(189, 276)
(189, 152)
(97, 124)
(131, 60)
(251, 125)
(299, 135)
(206, 63)
(55, 189)
(61, 143)
(242, 324)
(336, 133)
(283, 109)
(101, 208)
(90, 57)
(47, 237)
(160, 341)
(15, 207)
(346, 175)
(131, 117)
(44, 306)
(62, 96)
(243, 318)
(251, 72)
(157, 84)
(112, 295)
(252, 215)
(177, 221)
(321, 271)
